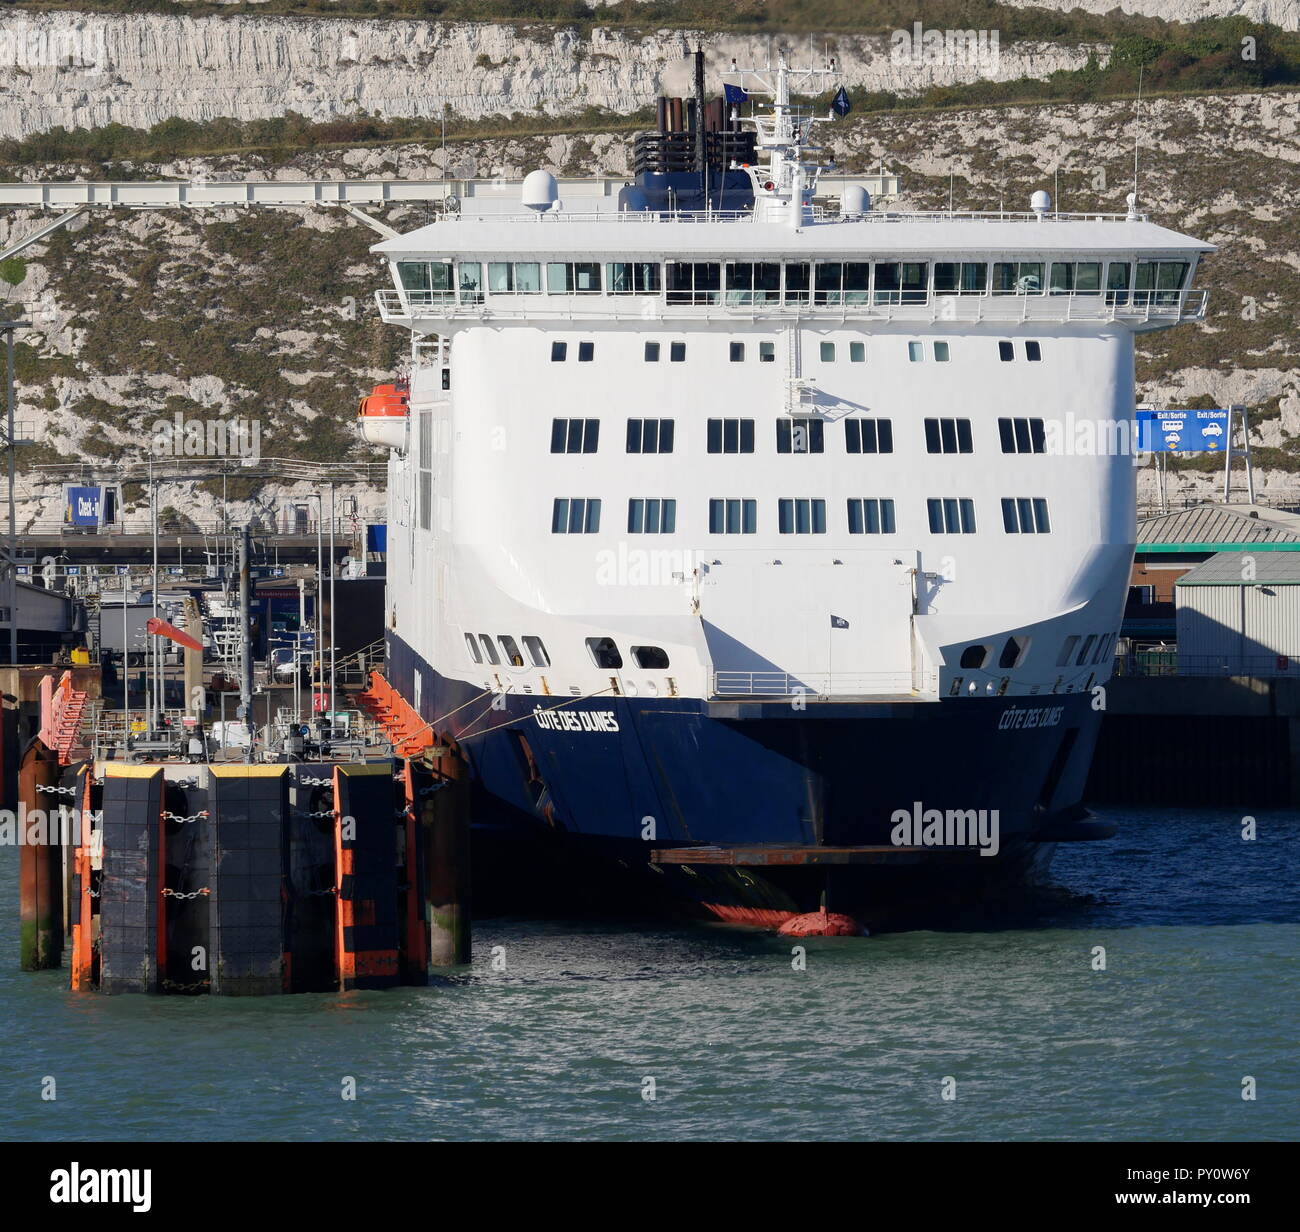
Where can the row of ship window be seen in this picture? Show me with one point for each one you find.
(941, 351)
(1021, 515)
(942, 435)
(504, 649)
(817, 283)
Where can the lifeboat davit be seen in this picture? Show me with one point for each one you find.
(383, 414)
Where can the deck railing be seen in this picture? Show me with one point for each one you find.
(820, 685)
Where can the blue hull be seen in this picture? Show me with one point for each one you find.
(585, 787)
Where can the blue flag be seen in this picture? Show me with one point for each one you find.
(838, 622)
(734, 95)
(840, 103)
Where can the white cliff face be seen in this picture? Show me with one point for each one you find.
(1284, 13)
(80, 70)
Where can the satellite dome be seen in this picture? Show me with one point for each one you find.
(854, 200)
(1040, 202)
(540, 190)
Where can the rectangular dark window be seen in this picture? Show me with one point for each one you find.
(797, 274)
(1006, 352)
(1033, 352)
(575, 517)
(951, 516)
(737, 352)
(586, 352)
(677, 352)
(693, 282)
(871, 517)
(802, 516)
(559, 352)
(947, 436)
(868, 436)
(800, 436)
(649, 436)
(1025, 515)
(574, 435)
(651, 516)
(731, 436)
(1022, 435)
(733, 517)
(573, 277)
(631, 277)
(652, 352)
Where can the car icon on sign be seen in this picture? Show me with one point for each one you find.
(1212, 429)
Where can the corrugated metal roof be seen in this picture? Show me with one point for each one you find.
(1211, 523)
(1229, 569)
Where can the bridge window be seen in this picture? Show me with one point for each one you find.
(632, 277)
(870, 516)
(868, 436)
(798, 276)
(733, 517)
(802, 516)
(573, 277)
(1158, 282)
(528, 277)
(574, 435)
(575, 517)
(1025, 516)
(469, 278)
(652, 658)
(1118, 278)
(501, 278)
(1074, 277)
(652, 352)
(650, 435)
(960, 277)
(693, 282)
(757, 282)
(807, 436)
(842, 282)
(651, 516)
(731, 436)
(472, 646)
(1021, 435)
(951, 516)
(537, 651)
(1017, 277)
(426, 282)
(901, 282)
(948, 436)
(604, 653)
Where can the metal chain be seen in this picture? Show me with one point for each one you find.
(56, 791)
(324, 813)
(172, 984)
(310, 782)
(182, 894)
(178, 818)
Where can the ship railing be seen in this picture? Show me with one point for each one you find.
(818, 685)
(1133, 307)
(1170, 662)
(816, 214)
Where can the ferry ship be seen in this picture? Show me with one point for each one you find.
(729, 530)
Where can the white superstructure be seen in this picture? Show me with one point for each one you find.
(785, 451)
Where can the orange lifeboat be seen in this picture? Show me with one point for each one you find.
(383, 414)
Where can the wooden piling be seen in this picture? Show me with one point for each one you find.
(447, 873)
(41, 861)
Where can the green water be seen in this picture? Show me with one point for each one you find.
(1201, 937)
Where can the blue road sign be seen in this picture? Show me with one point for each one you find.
(1182, 431)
